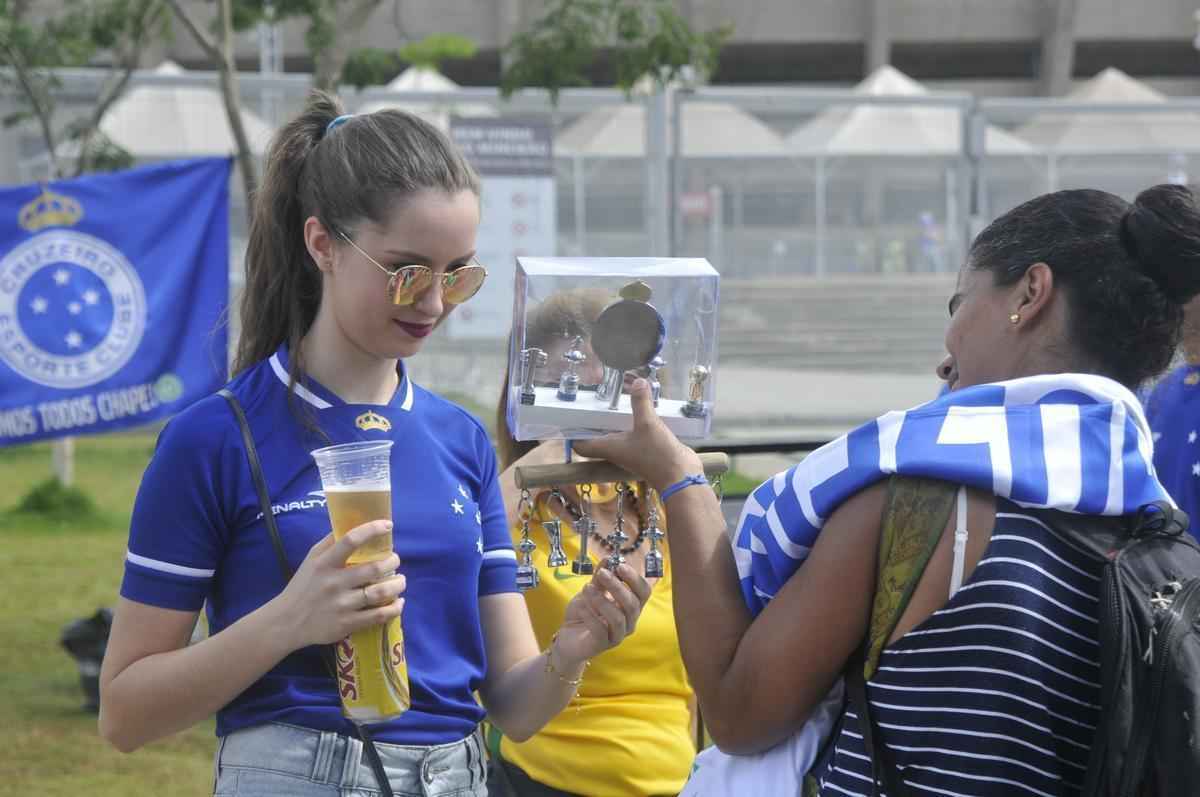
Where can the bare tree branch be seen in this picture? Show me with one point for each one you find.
(330, 62)
(208, 45)
(124, 63)
(42, 109)
(227, 72)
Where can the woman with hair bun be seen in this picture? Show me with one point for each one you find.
(989, 683)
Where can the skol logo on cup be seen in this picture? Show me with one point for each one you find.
(346, 679)
(398, 653)
(373, 673)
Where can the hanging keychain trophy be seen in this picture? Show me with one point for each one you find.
(527, 575)
(618, 538)
(654, 557)
(557, 556)
(584, 527)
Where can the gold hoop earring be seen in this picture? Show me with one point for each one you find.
(1015, 318)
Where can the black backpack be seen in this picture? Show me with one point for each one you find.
(1148, 739)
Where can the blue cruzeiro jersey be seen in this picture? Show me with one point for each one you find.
(197, 535)
(1173, 410)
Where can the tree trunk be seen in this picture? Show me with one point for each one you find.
(327, 64)
(221, 54)
(146, 15)
(227, 72)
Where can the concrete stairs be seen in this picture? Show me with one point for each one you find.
(894, 323)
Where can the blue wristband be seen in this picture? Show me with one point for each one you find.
(685, 482)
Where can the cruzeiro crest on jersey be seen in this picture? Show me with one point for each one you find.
(72, 308)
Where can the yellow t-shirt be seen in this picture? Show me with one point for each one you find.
(627, 730)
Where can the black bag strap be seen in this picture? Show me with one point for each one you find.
(264, 500)
(260, 482)
(883, 767)
(915, 513)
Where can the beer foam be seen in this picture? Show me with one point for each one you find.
(365, 487)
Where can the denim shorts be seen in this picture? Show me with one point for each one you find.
(275, 760)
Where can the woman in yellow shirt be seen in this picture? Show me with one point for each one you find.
(628, 730)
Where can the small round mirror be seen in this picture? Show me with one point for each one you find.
(630, 332)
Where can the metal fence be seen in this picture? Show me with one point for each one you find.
(837, 219)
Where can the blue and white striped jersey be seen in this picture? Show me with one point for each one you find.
(998, 692)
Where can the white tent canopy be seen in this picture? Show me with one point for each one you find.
(1131, 132)
(893, 130)
(914, 133)
(710, 130)
(420, 79)
(157, 121)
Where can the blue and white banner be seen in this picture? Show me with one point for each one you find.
(1071, 442)
(112, 288)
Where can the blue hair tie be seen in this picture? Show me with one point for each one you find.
(341, 120)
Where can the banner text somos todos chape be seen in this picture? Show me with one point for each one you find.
(78, 413)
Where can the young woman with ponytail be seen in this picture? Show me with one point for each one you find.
(321, 359)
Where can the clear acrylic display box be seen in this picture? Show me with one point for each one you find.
(584, 327)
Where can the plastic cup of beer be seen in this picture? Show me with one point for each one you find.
(357, 481)
(372, 670)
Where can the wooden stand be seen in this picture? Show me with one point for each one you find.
(598, 471)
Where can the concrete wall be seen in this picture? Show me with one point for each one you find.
(797, 22)
(821, 41)
(490, 22)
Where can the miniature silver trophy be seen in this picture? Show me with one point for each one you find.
(568, 384)
(584, 526)
(557, 556)
(610, 384)
(618, 537)
(652, 369)
(531, 360)
(654, 557)
(696, 406)
(527, 575)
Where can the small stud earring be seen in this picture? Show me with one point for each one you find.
(1015, 318)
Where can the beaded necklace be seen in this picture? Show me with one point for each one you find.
(622, 490)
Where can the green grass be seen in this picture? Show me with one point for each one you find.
(58, 566)
(737, 484)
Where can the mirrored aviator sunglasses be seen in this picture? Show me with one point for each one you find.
(458, 285)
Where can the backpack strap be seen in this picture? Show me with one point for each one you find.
(264, 500)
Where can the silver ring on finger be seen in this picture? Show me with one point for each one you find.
(366, 598)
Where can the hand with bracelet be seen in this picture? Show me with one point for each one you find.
(604, 612)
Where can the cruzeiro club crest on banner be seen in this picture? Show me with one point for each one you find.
(72, 309)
